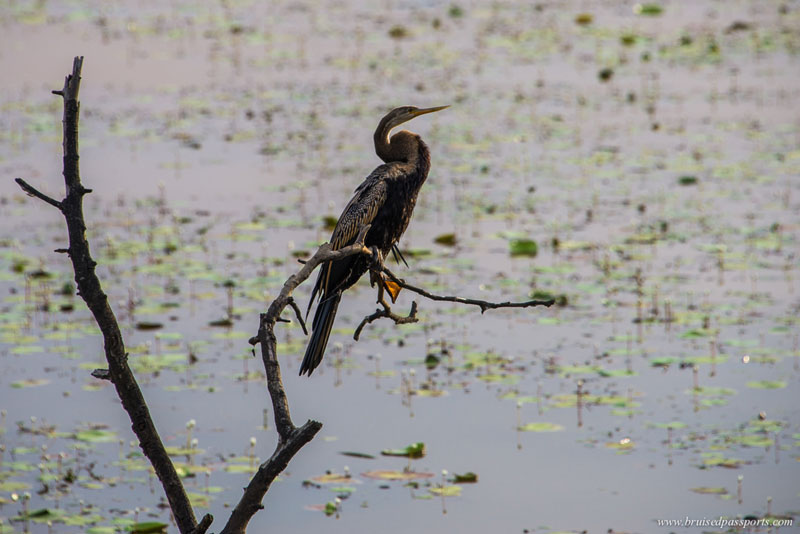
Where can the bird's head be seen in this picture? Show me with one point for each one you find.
(402, 145)
(403, 114)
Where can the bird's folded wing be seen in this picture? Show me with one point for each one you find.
(361, 210)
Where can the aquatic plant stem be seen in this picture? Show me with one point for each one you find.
(90, 289)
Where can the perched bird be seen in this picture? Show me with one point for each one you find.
(385, 201)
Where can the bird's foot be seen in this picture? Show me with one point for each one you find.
(376, 259)
(381, 299)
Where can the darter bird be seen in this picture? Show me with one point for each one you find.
(385, 201)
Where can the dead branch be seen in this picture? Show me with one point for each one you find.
(91, 291)
(387, 312)
(290, 438)
(482, 304)
(299, 315)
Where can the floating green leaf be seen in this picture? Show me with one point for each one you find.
(523, 247)
(717, 460)
(147, 527)
(649, 9)
(149, 325)
(766, 384)
(43, 515)
(446, 491)
(623, 445)
(355, 454)
(448, 240)
(540, 427)
(467, 478)
(8, 486)
(605, 74)
(672, 424)
(395, 475)
(415, 450)
(332, 478)
(697, 333)
(343, 490)
(27, 349)
(96, 436)
(712, 391)
(29, 383)
(330, 508)
(755, 440)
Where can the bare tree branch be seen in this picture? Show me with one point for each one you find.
(299, 315)
(387, 313)
(204, 524)
(482, 304)
(290, 438)
(32, 191)
(92, 293)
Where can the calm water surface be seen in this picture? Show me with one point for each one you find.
(217, 137)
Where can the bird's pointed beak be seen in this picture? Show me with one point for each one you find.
(418, 112)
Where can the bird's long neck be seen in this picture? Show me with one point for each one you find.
(404, 146)
(383, 145)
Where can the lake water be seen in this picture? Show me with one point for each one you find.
(652, 156)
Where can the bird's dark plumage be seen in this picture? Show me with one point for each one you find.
(385, 201)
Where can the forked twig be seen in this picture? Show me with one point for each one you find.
(387, 313)
(482, 304)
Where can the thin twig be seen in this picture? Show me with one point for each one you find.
(204, 524)
(299, 314)
(387, 312)
(101, 374)
(33, 192)
(482, 304)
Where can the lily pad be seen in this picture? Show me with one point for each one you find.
(147, 527)
(149, 325)
(415, 450)
(523, 247)
(446, 491)
(648, 9)
(540, 427)
(356, 454)
(332, 478)
(448, 240)
(396, 475)
(467, 478)
(766, 384)
(29, 383)
(96, 436)
(622, 445)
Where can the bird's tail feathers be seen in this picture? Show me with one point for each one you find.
(396, 252)
(320, 332)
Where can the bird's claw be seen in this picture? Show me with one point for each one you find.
(376, 259)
